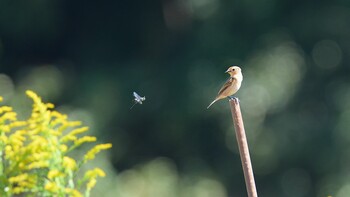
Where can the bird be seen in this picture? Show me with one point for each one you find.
(231, 86)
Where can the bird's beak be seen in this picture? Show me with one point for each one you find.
(227, 71)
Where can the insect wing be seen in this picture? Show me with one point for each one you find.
(138, 98)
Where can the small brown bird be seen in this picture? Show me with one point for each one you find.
(232, 85)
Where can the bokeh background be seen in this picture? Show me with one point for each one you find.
(88, 57)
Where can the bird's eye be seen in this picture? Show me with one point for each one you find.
(233, 69)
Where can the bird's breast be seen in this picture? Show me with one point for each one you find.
(235, 85)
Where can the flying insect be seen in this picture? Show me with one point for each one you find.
(137, 99)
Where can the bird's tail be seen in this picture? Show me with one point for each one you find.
(213, 102)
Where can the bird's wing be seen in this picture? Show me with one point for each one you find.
(226, 85)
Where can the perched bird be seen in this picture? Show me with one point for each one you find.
(232, 85)
(138, 99)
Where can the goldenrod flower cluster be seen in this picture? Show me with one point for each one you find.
(34, 154)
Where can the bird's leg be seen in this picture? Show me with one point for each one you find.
(233, 98)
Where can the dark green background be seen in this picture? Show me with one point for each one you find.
(88, 57)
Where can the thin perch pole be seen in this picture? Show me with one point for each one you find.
(243, 147)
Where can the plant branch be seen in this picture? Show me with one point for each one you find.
(243, 147)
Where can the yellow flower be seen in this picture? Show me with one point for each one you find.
(38, 146)
(95, 173)
(18, 190)
(34, 131)
(33, 96)
(21, 165)
(17, 124)
(4, 139)
(17, 138)
(91, 184)
(69, 163)
(18, 178)
(90, 155)
(58, 115)
(58, 118)
(50, 105)
(51, 187)
(41, 156)
(67, 124)
(8, 116)
(38, 164)
(63, 148)
(74, 123)
(73, 192)
(84, 139)
(54, 173)
(5, 128)
(54, 132)
(38, 143)
(68, 138)
(22, 182)
(5, 109)
(91, 176)
(78, 130)
(72, 135)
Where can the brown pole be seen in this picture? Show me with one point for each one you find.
(243, 147)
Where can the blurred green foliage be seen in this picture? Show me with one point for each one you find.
(89, 56)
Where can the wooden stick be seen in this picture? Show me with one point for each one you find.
(243, 147)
